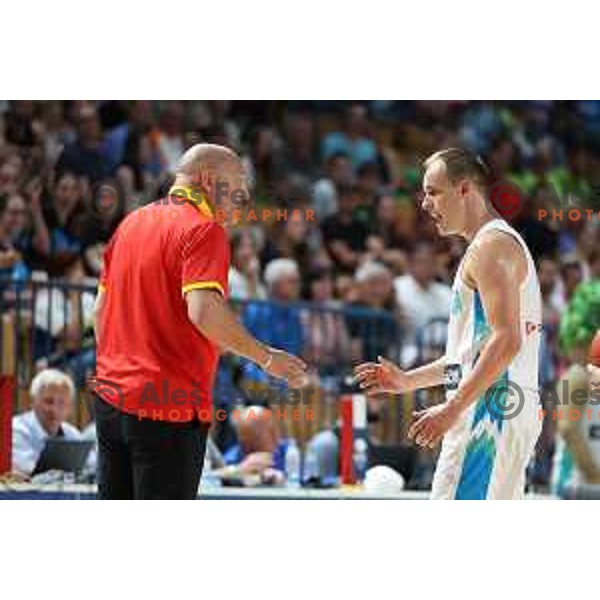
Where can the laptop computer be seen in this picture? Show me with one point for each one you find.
(63, 455)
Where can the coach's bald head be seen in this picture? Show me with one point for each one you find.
(202, 157)
(217, 171)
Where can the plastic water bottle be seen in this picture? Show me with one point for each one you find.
(292, 464)
(360, 459)
(311, 466)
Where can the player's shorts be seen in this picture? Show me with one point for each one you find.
(485, 455)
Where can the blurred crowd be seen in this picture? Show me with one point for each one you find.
(356, 164)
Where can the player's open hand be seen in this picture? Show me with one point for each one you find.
(430, 425)
(287, 366)
(381, 377)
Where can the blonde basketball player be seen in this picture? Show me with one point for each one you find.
(493, 343)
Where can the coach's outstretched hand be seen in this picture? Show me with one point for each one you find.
(381, 377)
(287, 366)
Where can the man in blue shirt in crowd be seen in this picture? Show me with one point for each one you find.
(278, 321)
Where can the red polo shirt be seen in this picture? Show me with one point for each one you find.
(151, 359)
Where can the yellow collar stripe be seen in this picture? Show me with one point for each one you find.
(193, 196)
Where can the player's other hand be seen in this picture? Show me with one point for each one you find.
(429, 426)
(381, 377)
(287, 366)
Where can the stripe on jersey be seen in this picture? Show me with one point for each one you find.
(478, 462)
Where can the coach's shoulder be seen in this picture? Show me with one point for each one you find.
(206, 227)
(204, 233)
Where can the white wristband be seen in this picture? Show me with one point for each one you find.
(268, 362)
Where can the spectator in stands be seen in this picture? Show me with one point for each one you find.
(354, 139)
(344, 235)
(549, 276)
(259, 449)
(338, 175)
(85, 157)
(346, 289)
(95, 228)
(481, 123)
(121, 144)
(502, 157)
(571, 276)
(594, 263)
(14, 221)
(52, 396)
(378, 331)
(572, 179)
(62, 320)
(327, 341)
(168, 139)
(57, 240)
(395, 222)
(369, 188)
(19, 123)
(588, 249)
(277, 323)
(385, 241)
(421, 299)
(13, 214)
(376, 287)
(294, 239)
(264, 163)
(55, 129)
(244, 273)
(542, 237)
(420, 296)
(301, 151)
(10, 171)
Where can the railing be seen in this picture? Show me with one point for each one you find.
(49, 324)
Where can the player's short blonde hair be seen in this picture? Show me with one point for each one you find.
(461, 164)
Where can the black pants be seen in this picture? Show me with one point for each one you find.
(144, 459)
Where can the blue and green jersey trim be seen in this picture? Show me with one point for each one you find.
(480, 454)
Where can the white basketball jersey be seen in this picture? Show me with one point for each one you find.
(468, 328)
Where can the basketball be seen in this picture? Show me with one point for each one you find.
(595, 350)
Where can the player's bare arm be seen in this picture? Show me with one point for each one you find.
(496, 267)
(209, 312)
(385, 377)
